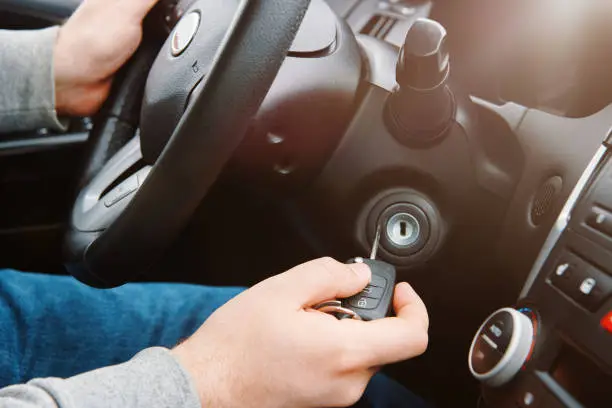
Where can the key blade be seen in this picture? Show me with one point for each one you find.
(376, 243)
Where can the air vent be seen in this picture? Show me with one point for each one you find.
(544, 199)
(379, 26)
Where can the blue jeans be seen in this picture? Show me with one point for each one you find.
(55, 326)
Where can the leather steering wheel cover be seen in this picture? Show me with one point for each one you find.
(204, 140)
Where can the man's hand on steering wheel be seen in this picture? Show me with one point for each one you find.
(93, 44)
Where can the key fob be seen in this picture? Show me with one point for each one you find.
(375, 301)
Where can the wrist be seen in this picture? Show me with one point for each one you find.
(211, 391)
(60, 77)
(74, 95)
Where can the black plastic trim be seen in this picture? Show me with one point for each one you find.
(53, 11)
(38, 144)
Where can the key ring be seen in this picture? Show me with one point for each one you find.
(334, 307)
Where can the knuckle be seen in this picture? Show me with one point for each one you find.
(346, 359)
(426, 321)
(328, 263)
(420, 342)
(415, 341)
(424, 314)
(353, 393)
(329, 267)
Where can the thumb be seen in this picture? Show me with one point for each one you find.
(323, 279)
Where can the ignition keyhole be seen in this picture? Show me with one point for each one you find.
(403, 230)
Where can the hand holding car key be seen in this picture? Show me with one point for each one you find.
(373, 302)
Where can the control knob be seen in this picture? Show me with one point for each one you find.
(501, 347)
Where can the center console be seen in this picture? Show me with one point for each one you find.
(387, 20)
(554, 349)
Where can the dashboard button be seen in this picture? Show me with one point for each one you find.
(581, 281)
(562, 270)
(528, 400)
(600, 220)
(606, 322)
(564, 273)
(530, 393)
(593, 289)
(121, 191)
(587, 286)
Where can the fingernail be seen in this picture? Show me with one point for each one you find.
(404, 286)
(361, 270)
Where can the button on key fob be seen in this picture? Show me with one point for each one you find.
(375, 301)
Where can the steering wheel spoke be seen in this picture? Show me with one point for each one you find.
(102, 201)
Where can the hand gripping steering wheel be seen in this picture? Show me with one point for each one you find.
(208, 80)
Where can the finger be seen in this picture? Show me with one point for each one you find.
(392, 339)
(323, 279)
(407, 302)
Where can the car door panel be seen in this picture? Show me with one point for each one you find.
(38, 169)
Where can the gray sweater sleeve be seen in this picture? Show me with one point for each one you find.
(152, 379)
(27, 84)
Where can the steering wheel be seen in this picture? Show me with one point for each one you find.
(209, 79)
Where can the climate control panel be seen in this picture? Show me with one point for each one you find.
(556, 350)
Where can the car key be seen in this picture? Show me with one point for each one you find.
(373, 302)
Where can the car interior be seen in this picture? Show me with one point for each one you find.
(246, 137)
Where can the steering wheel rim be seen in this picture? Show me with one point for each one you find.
(212, 126)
